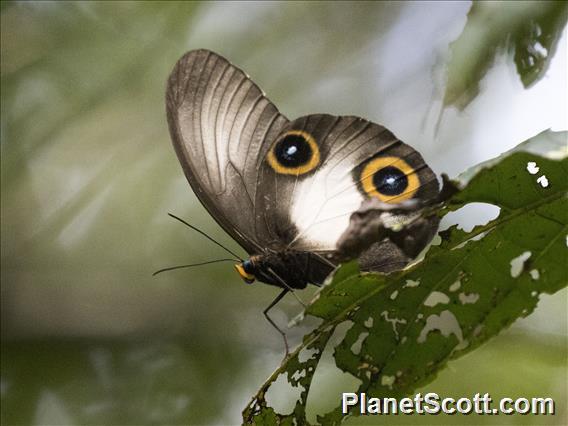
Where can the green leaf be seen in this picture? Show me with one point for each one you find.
(299, 373)
(529, 29)
(407, 325)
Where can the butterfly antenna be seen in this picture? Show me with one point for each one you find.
(171, 268)
(205, 235)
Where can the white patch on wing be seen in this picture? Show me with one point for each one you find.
(322, 205)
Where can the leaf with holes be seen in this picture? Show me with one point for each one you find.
(408, 324)
(529, 29)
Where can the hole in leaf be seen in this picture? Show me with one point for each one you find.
(411, 283)
(282, 396)
(393, 321)
(532, 168)
(455, 286)
(306, 353)
(436, 297)
(540, 49)
(356, 347)
(468, 298)
(543, 180)
(446, 322)
(328, 381)
(388, 381)
(470, 215)
(518, 264)
(298, 375)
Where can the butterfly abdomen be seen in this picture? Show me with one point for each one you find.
(290, 268)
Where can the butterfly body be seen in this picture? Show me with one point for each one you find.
(288, 269)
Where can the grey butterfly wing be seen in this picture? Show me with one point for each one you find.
(353, 157)
(230, 140)
(221, 126)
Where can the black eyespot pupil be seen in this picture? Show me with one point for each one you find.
(293, 151)
(390, 181)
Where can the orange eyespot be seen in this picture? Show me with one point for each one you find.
(390, 179)
(248, 278)
(295, 153)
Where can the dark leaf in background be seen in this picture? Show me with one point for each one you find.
(529, 29)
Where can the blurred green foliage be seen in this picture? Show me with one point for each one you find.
(88, 175)
(530, 29)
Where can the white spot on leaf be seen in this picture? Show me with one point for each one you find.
(369, 322)
(468, 298)
(306, 354)
(393, 321)
(535, 275)
(298, 374)
(518, 264)
(540, 49)
(532, 168)
(387, 381)
(455, 286)
(394, 295)
(471, 215)
(543, 180)
(356, 347)
(436, 297)
(282, 395)
(446, 322)
(412, 283)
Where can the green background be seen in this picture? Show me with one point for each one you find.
(88, 174)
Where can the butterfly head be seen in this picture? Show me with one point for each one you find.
(246, 270)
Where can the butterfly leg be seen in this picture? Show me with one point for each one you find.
(286, 286)
(265, 312)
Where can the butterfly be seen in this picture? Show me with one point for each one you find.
(285, 189)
